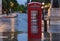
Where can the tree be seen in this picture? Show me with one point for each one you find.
(6, 4)
(45, 1)
(21, 8)
(37, 0)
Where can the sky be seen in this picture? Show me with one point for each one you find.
(21, 1)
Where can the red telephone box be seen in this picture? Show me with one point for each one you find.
(34, 20)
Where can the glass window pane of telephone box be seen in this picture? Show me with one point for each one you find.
(34, 22)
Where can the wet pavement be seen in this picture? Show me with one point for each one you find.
(5, 24)
(21, 25)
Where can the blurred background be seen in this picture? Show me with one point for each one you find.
(14, 19)
(18, 5)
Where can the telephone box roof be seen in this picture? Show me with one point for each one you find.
(34, 2)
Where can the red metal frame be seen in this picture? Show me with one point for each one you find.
(38, 8)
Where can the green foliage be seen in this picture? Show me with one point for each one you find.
(45, 1)
(21, 8)
(37, 0)
(6, 4)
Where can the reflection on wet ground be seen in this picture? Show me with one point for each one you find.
(7, 25)
(7, 29)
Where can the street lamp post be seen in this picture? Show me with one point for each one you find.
(44, 18)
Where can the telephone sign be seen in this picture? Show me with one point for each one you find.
(34, 20)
